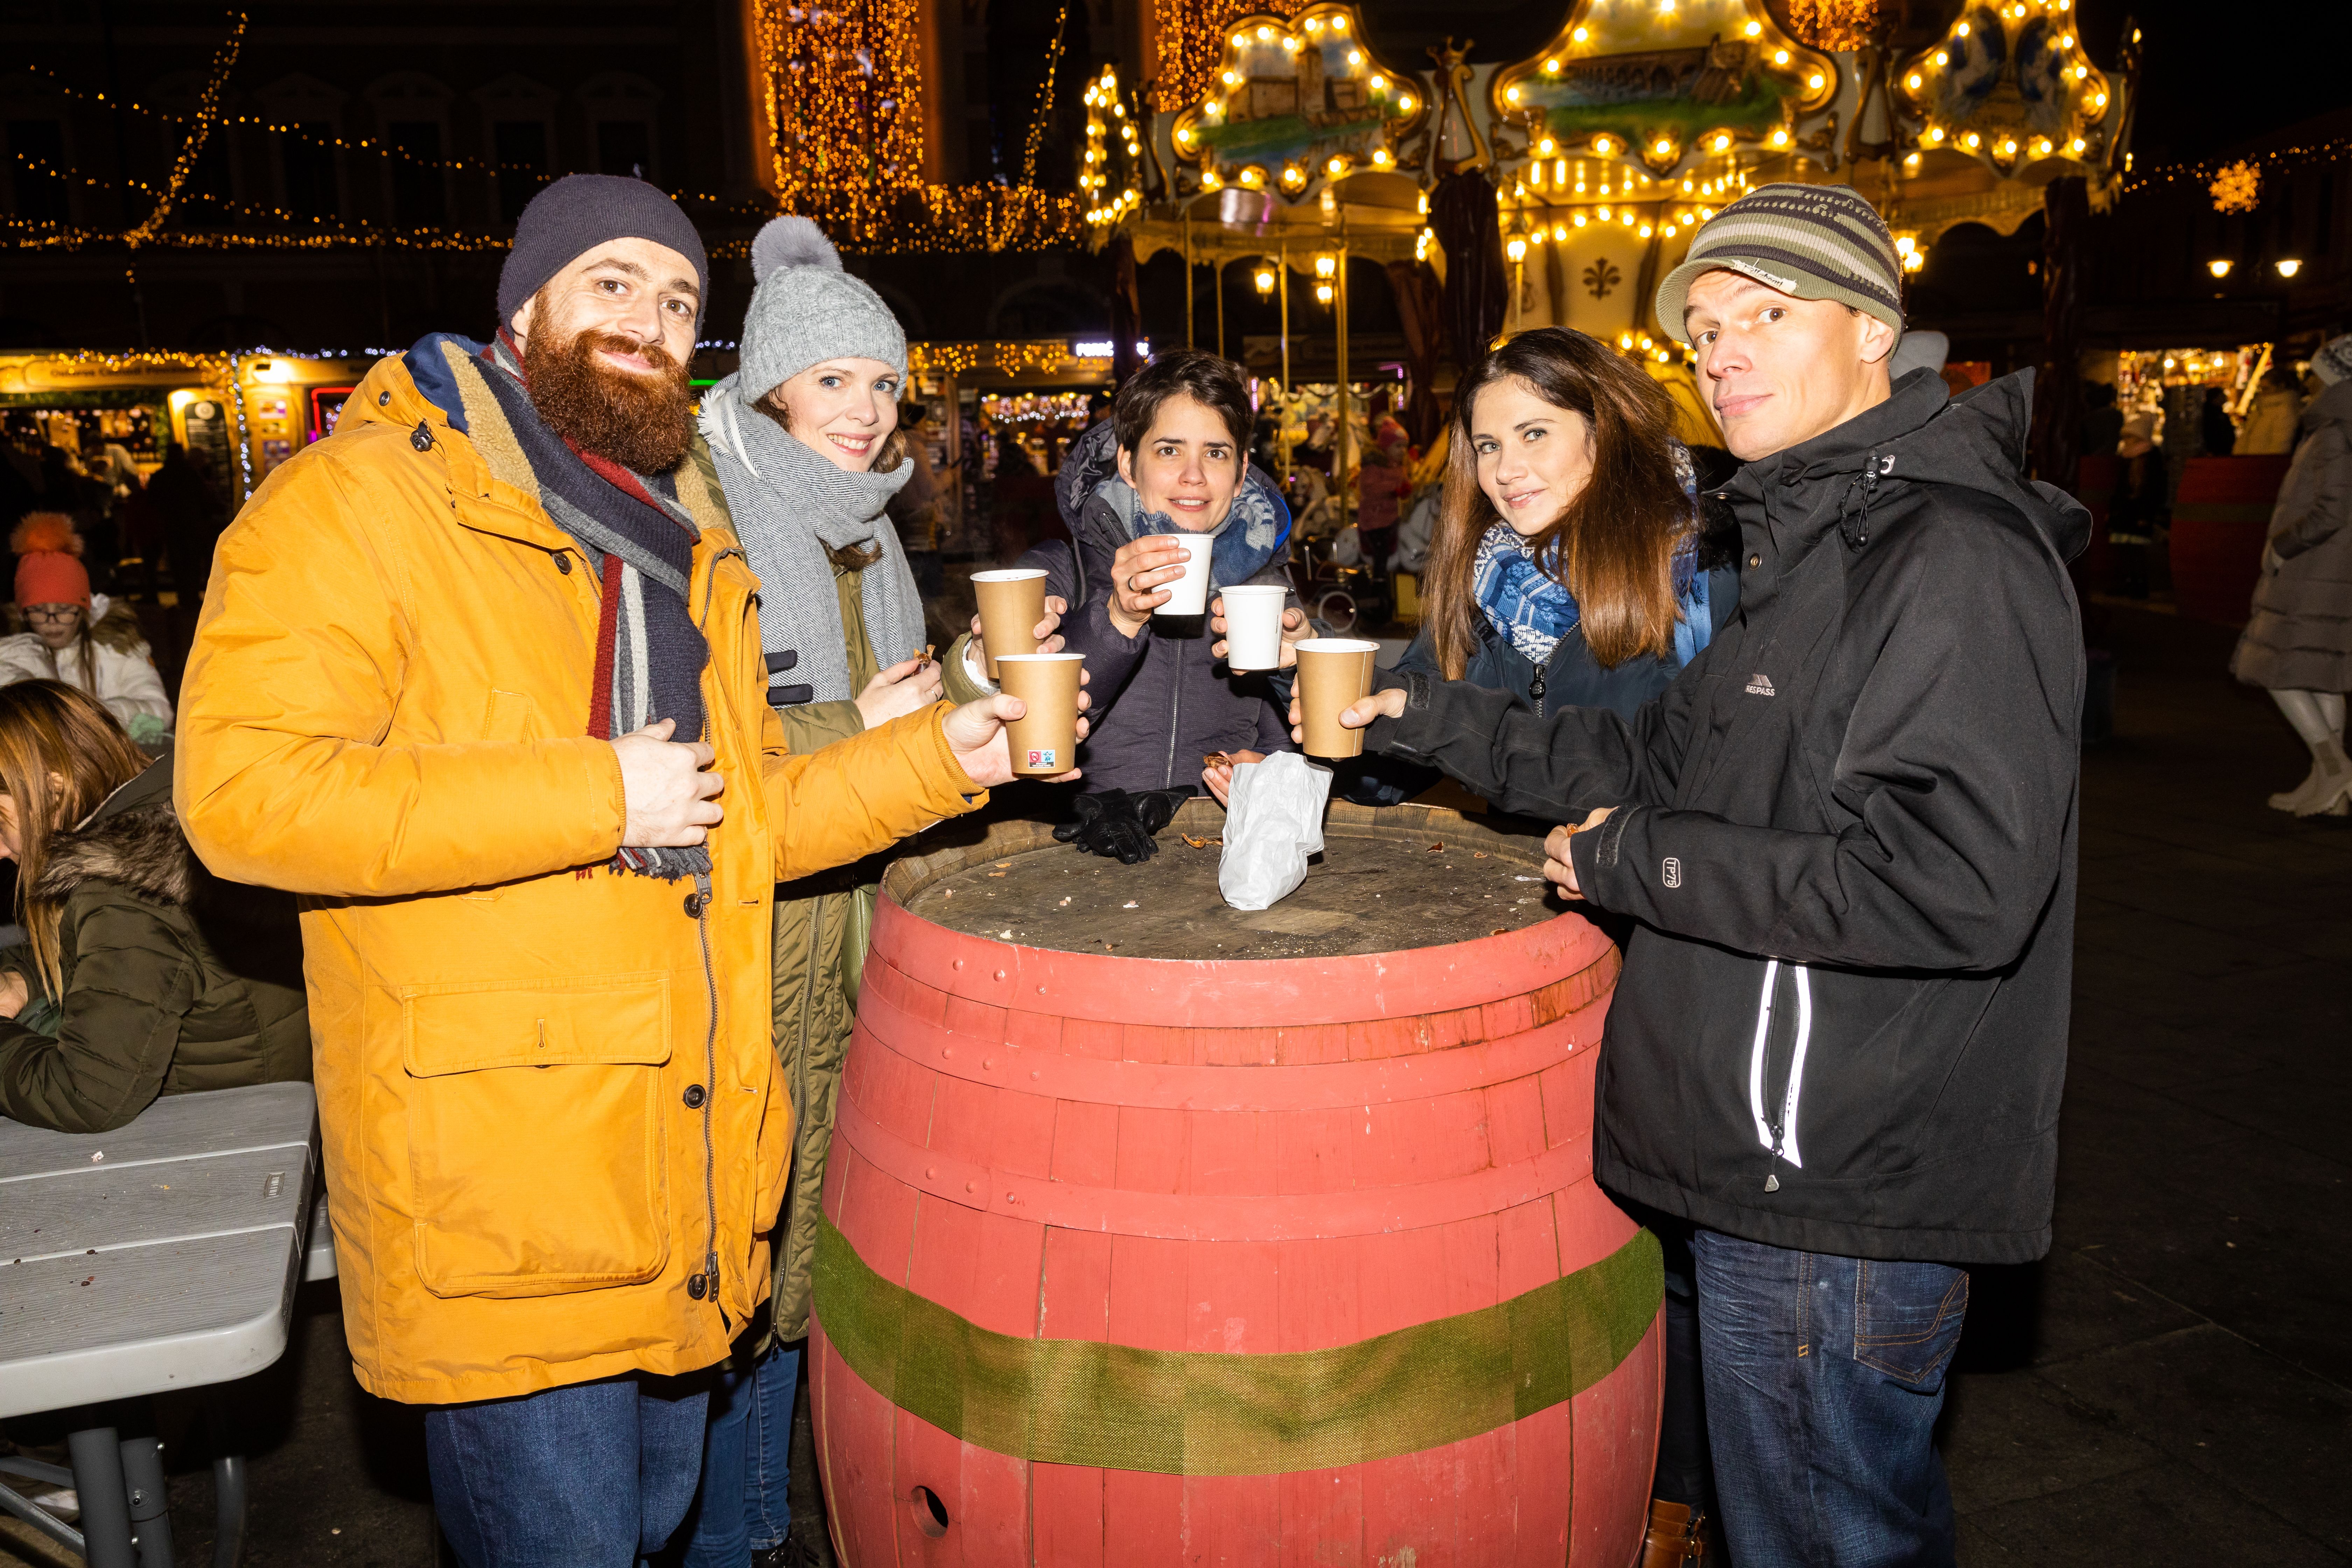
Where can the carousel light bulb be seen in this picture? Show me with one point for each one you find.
(1780, 57)
(1662, 147)
(1602, 145)
(2219, 267)
(1546, 146)
(1326, 266)
(1964, 30)
(1625, 216)
(1579, 220)
(1943, 59)
(1292, 175)
(1355, 56)
(1209, 182)
(1912, 162)
(1779, 138)
(1973, 141)
(1559, 233)
(2076, 145)
(1912, 82)
(2067, 40)
(1265, 280)
(1603, 214)
(1338, 24)
(1378, 84)
(1313, 24)
(1552, 68)
(1935, 134)
(1336, 166)
(1404, 104)
(1668, 231)
(1511, 95)
(1265, 35)
(1580, 35)
(1322, 293)
(1231, 79)
(1645, 231)
(1754, 28)
(2288, 267)
(1815, 81)
(1184, 135)
(1380, 156)
(1625, 341)
(1239, 39)
(1290, 46)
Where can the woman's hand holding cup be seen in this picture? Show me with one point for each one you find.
(1045, 634)
(1137, 573)
(976, 737)
(1295, 630)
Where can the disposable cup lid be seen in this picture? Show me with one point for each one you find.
(1337, 644)
(1035, 657)
(1009, 575)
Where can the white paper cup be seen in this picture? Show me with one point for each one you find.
(1253, 626)
(1189, 594)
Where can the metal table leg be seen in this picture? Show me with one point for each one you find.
(105, 1501)
(228, 1510)
(150, 1501)
(31, 1512)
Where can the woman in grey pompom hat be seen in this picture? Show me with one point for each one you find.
(805, 439)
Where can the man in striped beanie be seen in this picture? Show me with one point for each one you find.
(1845, 839)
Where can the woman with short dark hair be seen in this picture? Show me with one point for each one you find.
(1172, 458)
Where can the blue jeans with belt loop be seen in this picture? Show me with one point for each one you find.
(1824, 1376)
(745, 1505)
(593, 1475)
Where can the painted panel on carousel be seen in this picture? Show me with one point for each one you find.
(1298, 101)
(2010, 86)
(1670, 80)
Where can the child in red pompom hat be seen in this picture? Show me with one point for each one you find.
(77, 636)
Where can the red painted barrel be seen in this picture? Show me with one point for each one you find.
(1138, 1261)
(2219, 519)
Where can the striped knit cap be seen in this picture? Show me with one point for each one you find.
(1815, 242)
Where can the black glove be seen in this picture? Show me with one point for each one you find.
(1118, 825)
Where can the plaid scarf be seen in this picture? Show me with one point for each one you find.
(650, 652)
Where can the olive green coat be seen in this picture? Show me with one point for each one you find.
(816, 920)
(174, 980)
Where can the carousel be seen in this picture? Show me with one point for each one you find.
(1606, 151)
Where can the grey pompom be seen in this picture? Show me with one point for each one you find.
(791, 241)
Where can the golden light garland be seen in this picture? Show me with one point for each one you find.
(1104, 109)
(1833, 24)
(1046, 356)
(207, 106)
(1192, 39)
(1993, 128)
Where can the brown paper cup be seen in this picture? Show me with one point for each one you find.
(1332, 673)
(1011, 603)
(1045, 739)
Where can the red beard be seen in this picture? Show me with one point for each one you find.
(641, 420)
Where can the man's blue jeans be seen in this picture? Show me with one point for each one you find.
(745, 1505)
(596, 1474)
(1824, 1376)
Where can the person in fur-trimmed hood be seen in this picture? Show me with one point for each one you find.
(142, 974)
(61, 631)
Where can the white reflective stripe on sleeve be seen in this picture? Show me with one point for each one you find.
(1756, 1057)
(1797, 1066)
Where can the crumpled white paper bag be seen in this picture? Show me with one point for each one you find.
(1274, 821)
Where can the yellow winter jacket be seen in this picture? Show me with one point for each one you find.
(554, 1128)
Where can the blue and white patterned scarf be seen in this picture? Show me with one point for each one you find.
(1533, 609)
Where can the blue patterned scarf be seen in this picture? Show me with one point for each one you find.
(1532, 609)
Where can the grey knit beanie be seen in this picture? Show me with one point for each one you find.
(581, 212)
(805, 309)
(1815, 242)
(2332, 362)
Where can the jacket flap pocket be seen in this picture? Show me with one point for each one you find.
(622, 1019)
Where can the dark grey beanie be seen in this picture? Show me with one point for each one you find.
(581, 212)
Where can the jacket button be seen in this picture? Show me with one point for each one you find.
(699, 1286)
(694, 1096)
(694, 905)
(1755, 561)
(563, 563)
(383, 400)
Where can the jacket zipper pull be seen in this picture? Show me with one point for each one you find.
(1773, 1183)
(1535, 691)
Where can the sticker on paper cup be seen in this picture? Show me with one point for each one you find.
(1042, 758)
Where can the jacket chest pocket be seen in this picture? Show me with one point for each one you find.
(535, 1135)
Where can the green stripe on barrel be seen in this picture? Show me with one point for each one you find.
(1200, 1413)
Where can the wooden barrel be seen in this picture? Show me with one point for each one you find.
(2220, 519)
(1135, 1261)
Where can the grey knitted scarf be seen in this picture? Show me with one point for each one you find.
(789, 502)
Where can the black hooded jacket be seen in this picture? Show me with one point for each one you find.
(1848, 834)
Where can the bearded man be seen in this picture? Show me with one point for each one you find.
(481, 676)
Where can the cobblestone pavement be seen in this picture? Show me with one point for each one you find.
(2170, 1386)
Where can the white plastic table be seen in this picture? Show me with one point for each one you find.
(160, 1256)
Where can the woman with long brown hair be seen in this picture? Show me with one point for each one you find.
(1570, 566)
(140, 975)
